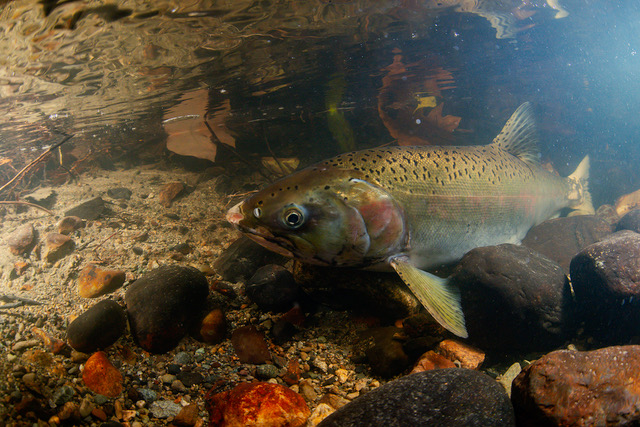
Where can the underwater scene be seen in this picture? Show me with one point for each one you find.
(319, 213)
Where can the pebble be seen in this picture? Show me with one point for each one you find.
(22, 240)
(148, 395)
(273, 288)
(266, 371)
(62, 395)
(188, 416)
(168, 378)
(23, 345)
(178, 387)
(443, 397)
(164, 304)
(258, 404)
(307, 391)
(579, 388)
(190, 378)
(57, 246)
(250, 345)
(94, 281)
(101, 377)
(69, 224)
(386, 357)
(164, 409)
(182, 358)
(89, 210)
(98, 327)
(507, 378)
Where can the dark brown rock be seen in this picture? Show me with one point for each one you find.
(440, 397)
(343, 288)
(386, 355)
(242, 258)
(69, 224)
(513, 298)
(576, 388)
(560, 239)
(606, 282)
(257, 404)
(57, 246)
(249, 345)
(273, 288)
(94, 281)
(164, 305)
(631, 221)
(98, 327)
(22, 240)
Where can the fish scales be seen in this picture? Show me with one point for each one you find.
(411, 208)
(458, 198)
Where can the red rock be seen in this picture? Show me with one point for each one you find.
(22, 240)
(579, 388)
(101, 377)
(57, 246)
(169, 192)
(468, 356)
(249, 345)
(214, 327)
(69, 224)
(257, 404)
(94, 281)
(432, 360)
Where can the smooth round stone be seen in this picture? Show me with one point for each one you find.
(98, 327)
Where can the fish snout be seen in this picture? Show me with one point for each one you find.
(235, 215)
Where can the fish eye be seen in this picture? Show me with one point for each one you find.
(293, 218)
(257, 212)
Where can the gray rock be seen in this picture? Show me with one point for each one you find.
(22, 240)
(266, 371)
(182, 358)
(45, 197)
(119, 193)
(88, 210)
(148, 395)
(164, 409)
(441, 397)
(513, 298)
(62, 395)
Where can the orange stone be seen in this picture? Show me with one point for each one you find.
(188, 416)
(94, 281)
(468, 356)
(257, 404)
(57, 246)
(432, 360)
(69, 224)
(101, 377)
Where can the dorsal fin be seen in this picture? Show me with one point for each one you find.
(519, 136)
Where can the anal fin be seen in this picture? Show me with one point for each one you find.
(434, 293)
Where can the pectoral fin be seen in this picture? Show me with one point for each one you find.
(435, 294)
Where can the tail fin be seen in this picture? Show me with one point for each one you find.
(579, 179)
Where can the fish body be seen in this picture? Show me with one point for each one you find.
(413, 208)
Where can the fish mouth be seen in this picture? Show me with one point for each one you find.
(259, 234)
